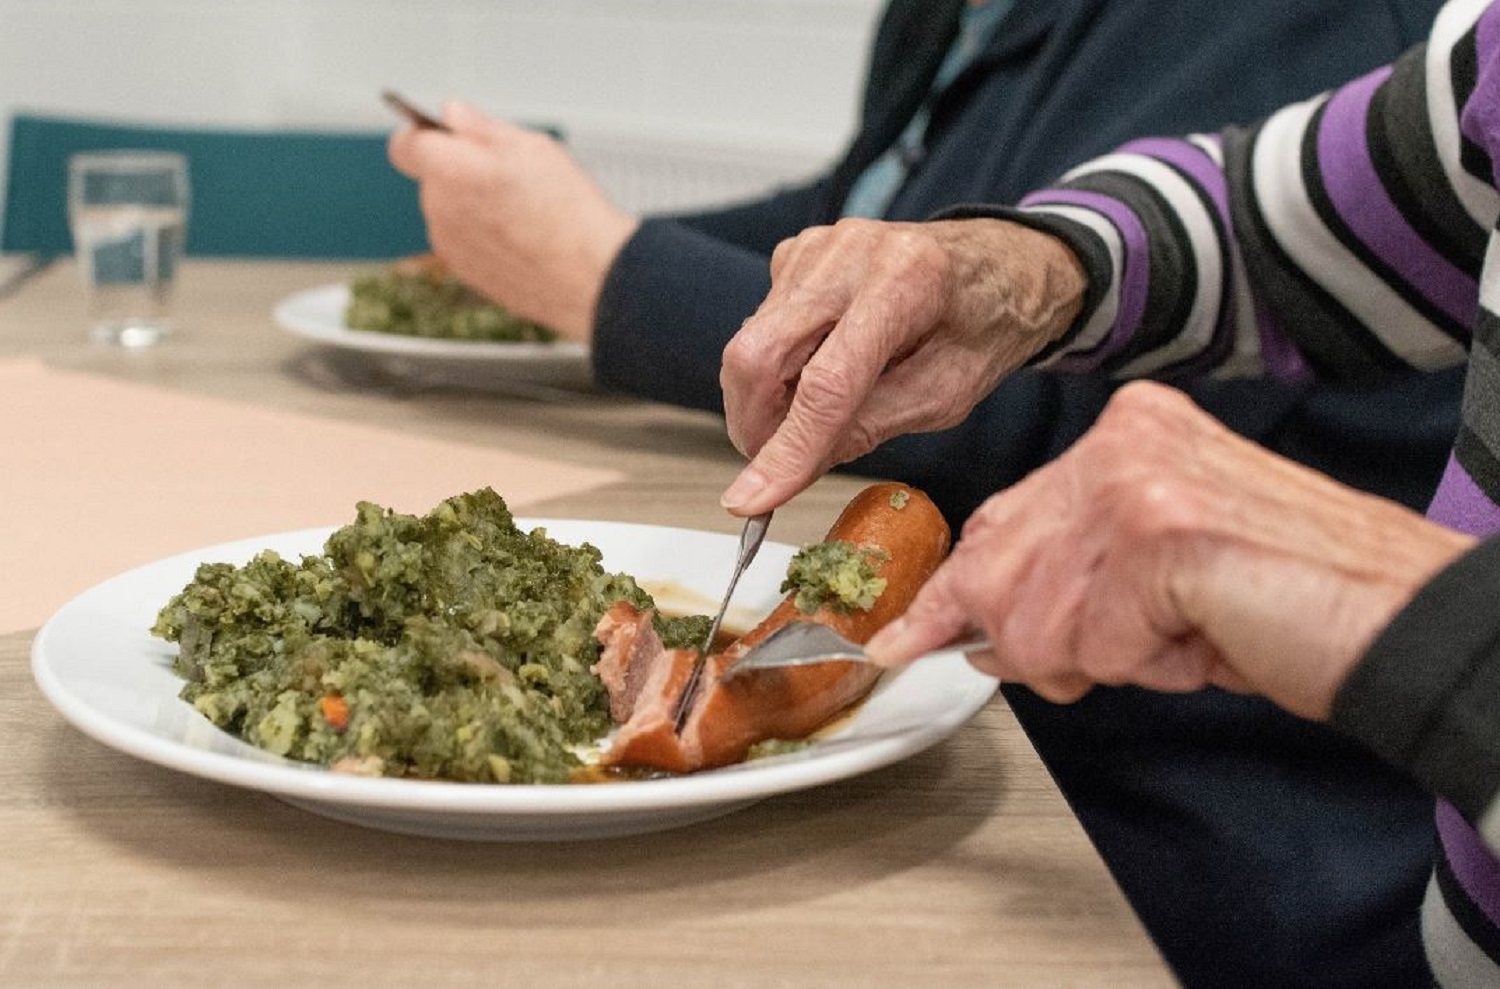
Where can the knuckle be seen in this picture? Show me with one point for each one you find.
(1146, 409)
(912, 301)
(790, 454)
(782, 254)
(946, 404)
(1012, 649)
(1139, 458)
(751, 354)
(930, 608)
(1061, 690)
(914, 245)
(860, 437)
(827, 391)
(854, 228)
(1158, 507)
(742, 351)
(984, 521)
(810, 238)
(918, 250)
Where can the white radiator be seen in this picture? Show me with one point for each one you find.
(652, 176)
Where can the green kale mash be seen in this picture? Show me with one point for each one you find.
(420, 304)
(448, 646)
(837, 575)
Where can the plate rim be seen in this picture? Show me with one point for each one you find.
(286, 314)
(298, 781)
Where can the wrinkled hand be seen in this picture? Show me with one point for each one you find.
(1166, 552)
(873, 329)
(513, 215)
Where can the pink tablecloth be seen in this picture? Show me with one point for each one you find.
(98, 475)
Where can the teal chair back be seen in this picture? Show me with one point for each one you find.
(256, 193)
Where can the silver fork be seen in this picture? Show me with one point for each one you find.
(806, 643)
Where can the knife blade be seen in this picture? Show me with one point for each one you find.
(751, 536)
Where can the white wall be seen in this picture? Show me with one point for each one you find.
(754, 91)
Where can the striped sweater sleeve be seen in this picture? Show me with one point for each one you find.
(1346, 237)
(1341, 238)
(1426, 697)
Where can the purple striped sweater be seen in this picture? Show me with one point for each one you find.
(1348, 237)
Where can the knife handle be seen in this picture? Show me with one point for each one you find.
(418, 118)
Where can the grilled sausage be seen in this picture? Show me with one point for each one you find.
(646, 680)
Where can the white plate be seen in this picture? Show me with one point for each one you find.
(98, 664)
(317, 314)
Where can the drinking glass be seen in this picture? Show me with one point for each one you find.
(128, 212)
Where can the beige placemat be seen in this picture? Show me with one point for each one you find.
(97, 476)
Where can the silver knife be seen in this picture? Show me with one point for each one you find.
(751, 536)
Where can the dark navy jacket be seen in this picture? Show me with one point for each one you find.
(1258, 849)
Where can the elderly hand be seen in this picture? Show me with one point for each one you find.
(513, 215)
(873, 329)
(1166, 552)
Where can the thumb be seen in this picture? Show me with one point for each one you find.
(786, 465)
(935, 617)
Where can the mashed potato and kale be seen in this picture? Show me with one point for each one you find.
(420, 299)
(837, 575)
(447, 646)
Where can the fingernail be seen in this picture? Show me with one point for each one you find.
(745, 487)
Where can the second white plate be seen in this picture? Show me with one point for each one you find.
(317, 314)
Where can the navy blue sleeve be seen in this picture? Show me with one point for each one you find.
(682, 286)
(759, 225)
(670, 303)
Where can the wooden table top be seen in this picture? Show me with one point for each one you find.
(959, 866)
